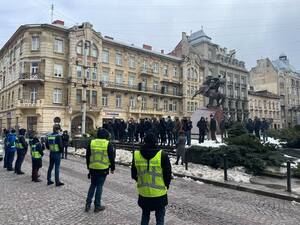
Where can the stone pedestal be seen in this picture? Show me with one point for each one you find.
(205, 112)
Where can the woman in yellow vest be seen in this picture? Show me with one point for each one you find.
(152, 171)
(36, 150)
(99, 159)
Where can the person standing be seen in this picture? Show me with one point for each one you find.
(36, 149)
(180, 148)
(162, 131)
(249, 126)
(264, 129)
(208, 135)
(65, 139)
(99, 159)
(257, 127)
(177, 128)
(55, 145)
(5, 146)
(188, 131)
(223, 128)
(11, 149)
(202, 129)
(170, 127)
(22, 147)
(152, 171)
(213, 127)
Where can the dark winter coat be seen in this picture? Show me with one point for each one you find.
(58, 140)
(213, 124)
(249, 126)
(257, 125)
(202, 126)
(65, 138)
(148, 152)
(223, 125)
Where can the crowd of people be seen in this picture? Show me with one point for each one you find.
(258, 127)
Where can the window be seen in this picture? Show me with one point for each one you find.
(88, 76)
(164, 89)
(105, 56)
(131, 62)
(88, 97)
(118, 59)
(79, 71)
(104, 78)
(94, 73)
(87, 48)
(155, 68)
(58, 70)
(118, 101)
(57, 95)
(175, 90)
(119, 78)
(34, 67)
(174, 105)
(58, 46)
(94, 98)
(188, 107)
(95, 51)
(79, 48)
(243, 80)
(155, 86)
(144, 67)
(175, 72)
(210, 53)
(132, 102)
(78, 96)
(35, 43)
(131, 79)
(155, 103)
(144, 103)
(104, 100)
(166, 105)
(166, 70)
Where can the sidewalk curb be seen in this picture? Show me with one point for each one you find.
(287, 196)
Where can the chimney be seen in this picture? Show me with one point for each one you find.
(108, 37)
(162, 51)
(59, 22)
(148, 47)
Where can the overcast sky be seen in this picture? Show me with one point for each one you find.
(255, 28)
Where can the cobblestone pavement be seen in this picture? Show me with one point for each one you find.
(24, 202)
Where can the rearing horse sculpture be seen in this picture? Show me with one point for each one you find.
(210, 89)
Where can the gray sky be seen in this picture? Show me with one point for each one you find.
(255, 28)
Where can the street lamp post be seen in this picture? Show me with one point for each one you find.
(84, 86)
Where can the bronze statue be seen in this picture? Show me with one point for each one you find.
(210, 89)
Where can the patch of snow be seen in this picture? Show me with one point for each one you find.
(123, 156)
(274, 141)
(208, 143)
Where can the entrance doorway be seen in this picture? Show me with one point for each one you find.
(32, 123)
(76, 125)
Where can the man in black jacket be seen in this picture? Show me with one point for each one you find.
(99, 167)
(65, 139)
(22, 147)
(213, 127)
(148, 153)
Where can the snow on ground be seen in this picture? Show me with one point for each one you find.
(274, 141)
(208, 143)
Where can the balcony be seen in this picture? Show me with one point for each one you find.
(140, 89)
(28, 77)
(146, 71)
(149, 111)
(29, 103)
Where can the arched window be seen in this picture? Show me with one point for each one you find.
(79, 48)
(95, 51)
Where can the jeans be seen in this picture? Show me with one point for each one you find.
(97, 182)
(65, 153)
(188, 137)
(5, 159)
(54, 160)
(19, 161)
(9, 160)
(159, 214)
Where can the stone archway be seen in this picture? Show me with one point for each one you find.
(76, 124)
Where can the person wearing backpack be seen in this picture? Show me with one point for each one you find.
(11, 149)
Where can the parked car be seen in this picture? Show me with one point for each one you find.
(1, 150)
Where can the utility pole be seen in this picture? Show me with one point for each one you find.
(52, 11)
(84, 86)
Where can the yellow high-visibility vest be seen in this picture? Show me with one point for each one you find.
(150, 183)
(99, 154)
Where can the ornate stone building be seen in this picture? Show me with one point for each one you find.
(282, 79)
(49, 70)
(264, 104)
(217, 61)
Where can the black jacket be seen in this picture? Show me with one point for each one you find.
(65, 139)
(213, 124)
(111, 156)
(22, 140)
(148, 152)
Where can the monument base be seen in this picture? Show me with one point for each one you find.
(206, 112)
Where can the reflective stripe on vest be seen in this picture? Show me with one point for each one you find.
(52, 143)
(150, 182)
(19, 145)
(34, 153)
(99, 156)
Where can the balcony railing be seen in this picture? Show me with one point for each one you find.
(141, 88)
(29, 103)
(146, 110)
(146, 71)
(29, 77)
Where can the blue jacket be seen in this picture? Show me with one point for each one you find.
(11, 142)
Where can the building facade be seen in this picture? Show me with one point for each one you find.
(217, 61)
(264, 104)
(49, 71)
(281, 78)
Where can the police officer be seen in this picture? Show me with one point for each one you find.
(152, 171)
(22, 147)
(99, 159)
(55, 145)
(5, 143)
(36, 149)
(11, 149)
